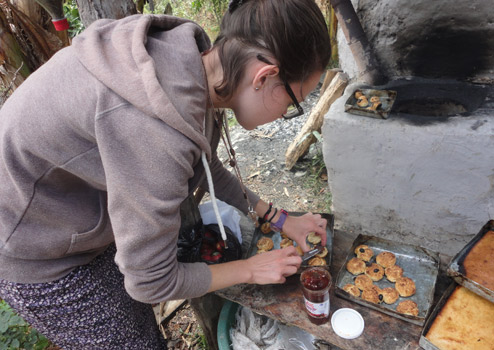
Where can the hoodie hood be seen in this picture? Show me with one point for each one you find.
(154, 62)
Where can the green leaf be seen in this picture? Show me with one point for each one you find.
(15, 344)
(3, 327)
(317, 135)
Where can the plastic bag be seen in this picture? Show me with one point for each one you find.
(204, 243)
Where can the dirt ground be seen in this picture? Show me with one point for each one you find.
(261, 157)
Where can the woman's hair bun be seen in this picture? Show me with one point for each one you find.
(232, 6)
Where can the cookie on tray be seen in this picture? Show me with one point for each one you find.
(317, 261)
(363, 282)
(285, 242)
(408, 307)
(405, 286)
(314, 238)
(375, 272)
(364, 252)
(393, 273)
(265, 243)
(355, 266)
(372, 295)
(352, 290)
(390, 295)
(386, 259)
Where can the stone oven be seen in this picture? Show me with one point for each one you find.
(424, 175)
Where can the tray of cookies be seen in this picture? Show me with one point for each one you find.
(473, 266)
(394, 278)
(371, 103)
(461, 320)
(264, 239)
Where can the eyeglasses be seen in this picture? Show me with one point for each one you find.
(294, 110)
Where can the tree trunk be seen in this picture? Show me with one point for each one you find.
(91, 10)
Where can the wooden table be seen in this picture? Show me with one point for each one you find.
(285, 304)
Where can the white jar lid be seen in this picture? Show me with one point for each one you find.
(347, 323)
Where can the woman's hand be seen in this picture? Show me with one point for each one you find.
(273, 266)
(299, 227)
(266, 268)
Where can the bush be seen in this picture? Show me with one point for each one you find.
(16, 334)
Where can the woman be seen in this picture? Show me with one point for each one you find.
(104, 142)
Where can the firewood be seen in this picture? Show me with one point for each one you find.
(305, 137)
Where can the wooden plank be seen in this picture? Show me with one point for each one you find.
(305, 137)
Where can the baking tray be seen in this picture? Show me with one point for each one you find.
(424, 342)
(457, 271)
(419, 264)
(387, 98)
(276, 237)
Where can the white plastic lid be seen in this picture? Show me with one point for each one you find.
(347, 323)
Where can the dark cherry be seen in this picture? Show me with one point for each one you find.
(362, 250)
(376, 270)
(380, 297)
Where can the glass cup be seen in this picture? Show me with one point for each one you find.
(316, 282)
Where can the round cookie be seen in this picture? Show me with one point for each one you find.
(363, 282)
(386, 259)
(393, 273)
(355, 266)
(266, 228)
(299, 250)
(375, 272)
(364, 252)
(286, 242)
(323, 253)
(405, 286)
(352, 290)
(372, 295)
(314, 238)
(265, 243)
(390, 295)
(317, 261)
(408, 307)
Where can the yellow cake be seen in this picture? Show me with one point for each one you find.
(465, 322)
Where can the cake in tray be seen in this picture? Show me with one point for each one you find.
(479, 263)
(465, 322)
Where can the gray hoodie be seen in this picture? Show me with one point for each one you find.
(102, 144)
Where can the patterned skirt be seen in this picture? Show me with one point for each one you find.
(87, 309)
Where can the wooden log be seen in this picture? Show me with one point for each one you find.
(328, 78)
(305, 137)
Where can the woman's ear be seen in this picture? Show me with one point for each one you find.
(263, 73)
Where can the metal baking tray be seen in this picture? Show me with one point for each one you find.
(457, 271)
(418, 263)
(387, 98)
(276, 237)
(424, 342)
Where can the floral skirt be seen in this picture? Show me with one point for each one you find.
(87, 309)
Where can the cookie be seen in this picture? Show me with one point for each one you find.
(364, 252)
(314, 238)
(352, 290)
(323, 253)
(299, 250)
(363, 282)
(265, 243)
(408, 307)
(405, 286)
(393, 273)
(372, 295)
(317, 261)
(355, 266)
(390, 295)
(386, 259)
(266, 228)
(375, 272)
(260, 251)
(286, 242)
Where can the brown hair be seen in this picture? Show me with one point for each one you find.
(292, 31)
